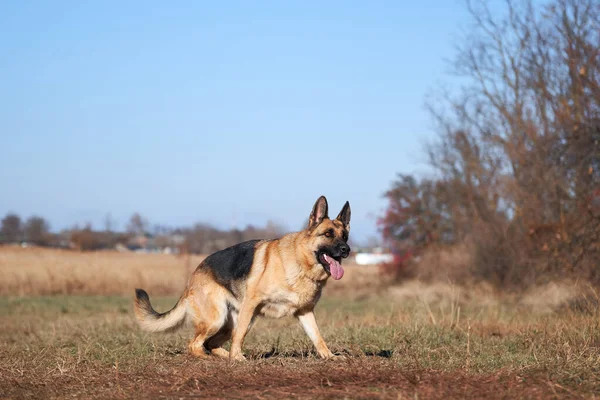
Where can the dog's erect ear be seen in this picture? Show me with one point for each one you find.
(319, 212)
(344, 215)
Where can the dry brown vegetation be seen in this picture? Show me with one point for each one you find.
(401, 341)
(41, 271)
(516, 162)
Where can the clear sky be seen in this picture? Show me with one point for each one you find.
(219, 112)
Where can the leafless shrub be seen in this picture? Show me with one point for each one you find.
(517, 158)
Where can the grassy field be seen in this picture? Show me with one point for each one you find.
(66, 340)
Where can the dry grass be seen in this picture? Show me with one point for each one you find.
(408, 341)
(452, 263)
(40, 271)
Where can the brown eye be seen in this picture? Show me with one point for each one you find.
(329, 234)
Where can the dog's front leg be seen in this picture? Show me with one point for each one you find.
(309, 323)
(244, 319)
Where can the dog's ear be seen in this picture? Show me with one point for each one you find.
(319, 212)
(344, 215)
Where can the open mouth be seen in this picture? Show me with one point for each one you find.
(333, 265)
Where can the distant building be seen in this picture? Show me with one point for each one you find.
(148, 243)
(373, 256)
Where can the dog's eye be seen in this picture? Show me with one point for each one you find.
(329, 233)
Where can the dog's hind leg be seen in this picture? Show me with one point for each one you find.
(215, 343)
(196, 346)
(208, 322)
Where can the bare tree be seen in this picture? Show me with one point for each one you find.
(138, 225)
(11, 230)
(518, 149)
(108, 223)
(37, 230)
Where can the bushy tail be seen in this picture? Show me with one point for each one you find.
(152, 321)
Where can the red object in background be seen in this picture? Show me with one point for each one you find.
(399, 264)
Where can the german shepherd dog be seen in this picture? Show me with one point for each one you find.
(272, 278)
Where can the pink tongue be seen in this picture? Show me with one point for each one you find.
(335, 268)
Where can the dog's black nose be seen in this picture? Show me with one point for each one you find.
(344, 249)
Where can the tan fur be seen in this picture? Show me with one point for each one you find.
(174, 319)
(285, 279)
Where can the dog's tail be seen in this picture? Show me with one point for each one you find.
(150, 320)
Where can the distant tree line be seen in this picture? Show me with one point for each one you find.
(34, 230)
(517, 157)
(138, 235)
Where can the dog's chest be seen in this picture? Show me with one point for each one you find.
(284, 302)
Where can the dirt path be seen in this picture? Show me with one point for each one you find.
(277, 378)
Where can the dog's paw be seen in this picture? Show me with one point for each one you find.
(326, 355)
(236, 357)
(331, 356)
(220, 353)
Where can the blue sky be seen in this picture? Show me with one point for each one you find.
(220, 112)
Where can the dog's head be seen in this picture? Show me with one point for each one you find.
(328, 239)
